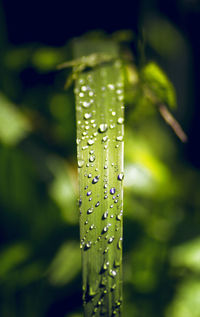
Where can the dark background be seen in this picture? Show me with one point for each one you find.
(54, 23)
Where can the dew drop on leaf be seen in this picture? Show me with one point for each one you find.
(92, 158)
(90, 210)
(112, 191)
(105, 215)
(120, 176)
(90, 142)
(119, 244)
(112, 273)
(80, 163)
(87, 116)
(120, 121)
(95, 180)
(119, 138)
(110, 240)
(103, 127)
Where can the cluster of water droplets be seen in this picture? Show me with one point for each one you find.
(100, 154)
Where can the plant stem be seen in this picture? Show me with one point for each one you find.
(100, 150)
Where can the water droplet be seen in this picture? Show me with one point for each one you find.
(105, 229)
(105, 197)
(119, 91)
(92, 227)
(95, 180)
(86, 104)
(120, 98)
(103, 127)
(113, 113)
(120, 121)
(97, 204)
(112, 273)
(105, 266)
(80, 202)
(80, 163)
(89, 175)
(94, 311)
(78, 141)
(106, 185)
(84, 88)
(105, 138)
(105, 167)
(111, 206)
(90, 142)
(92, 158)
(90, 210)
(111, 86)
(110, 240)
(91, 93)
(91, 151)
(92, 292)
(113, 287)
(119, 244)
(120, 176)
(119, 217)
(85, 147)
(87, 116)
(89, 193)
(112, 191)
(103, 281)
(88, 245)
(105, 215)
(119, 138)
(81, 94)
(116, 201)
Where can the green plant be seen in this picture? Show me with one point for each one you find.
(99, 94)
(100, 116)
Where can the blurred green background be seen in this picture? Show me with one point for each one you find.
(40, 265)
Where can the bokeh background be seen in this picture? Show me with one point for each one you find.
(40, 266)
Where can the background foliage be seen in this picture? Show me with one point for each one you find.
(40, 268)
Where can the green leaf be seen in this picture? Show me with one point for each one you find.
(66, 264)
(12, 256)
(100, 115)
(186, 301)
(159, 84)
(187, 255)
(14, 125)
(61, 189)
(46, 58)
